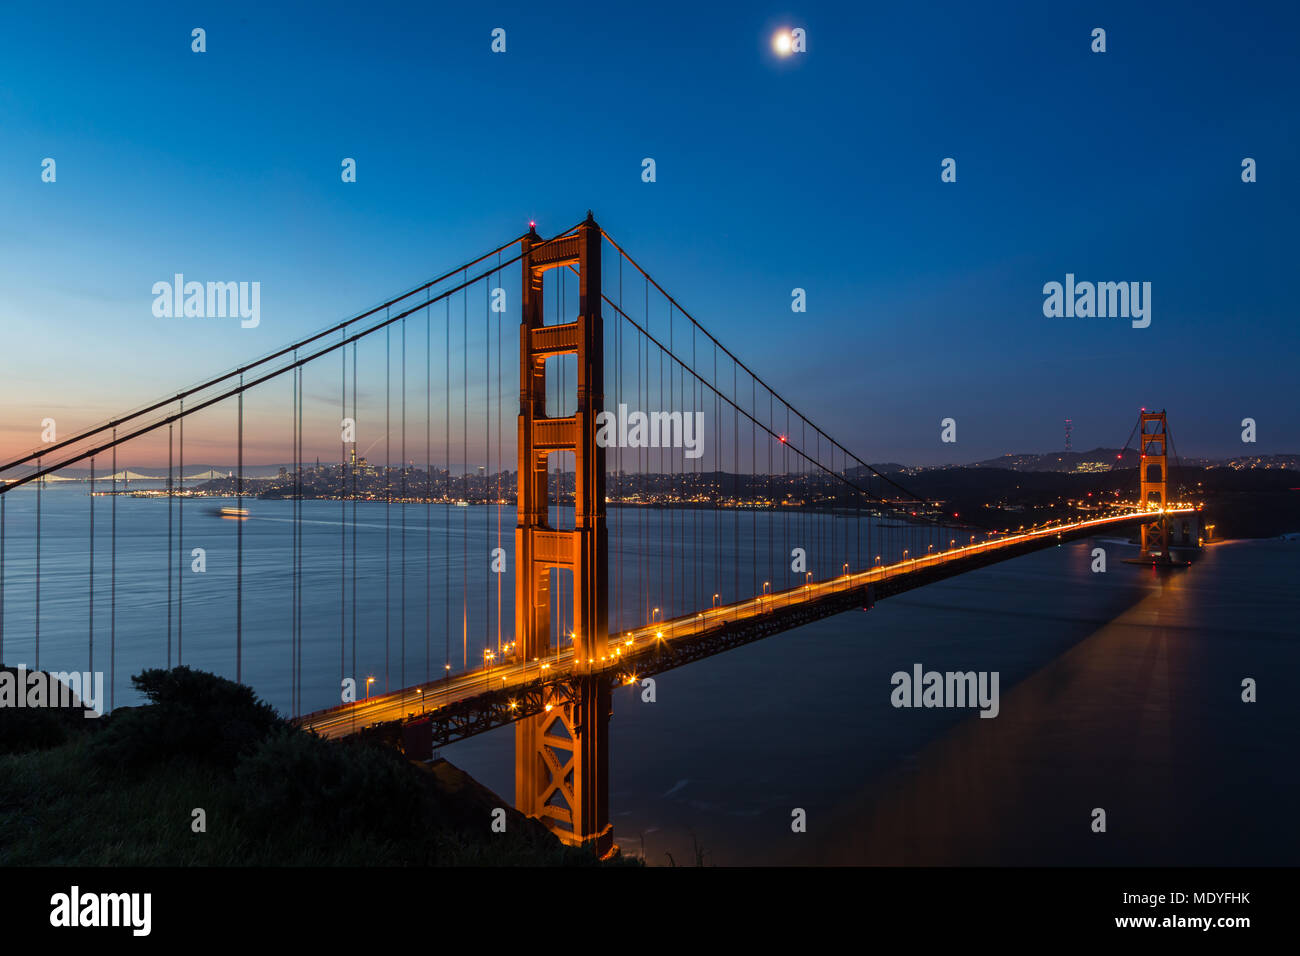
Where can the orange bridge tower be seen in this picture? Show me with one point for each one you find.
(561, 755)
(1154, 491)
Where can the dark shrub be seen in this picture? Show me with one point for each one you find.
(24, 729)
(33, 728)
(337, 788)
(192, 715)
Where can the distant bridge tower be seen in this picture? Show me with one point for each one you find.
(1069, 427)
(561, 755)
(1154, 491)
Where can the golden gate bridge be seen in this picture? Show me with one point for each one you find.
(685, 578)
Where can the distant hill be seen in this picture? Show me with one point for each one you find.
(1099, 459)
(1104, 459)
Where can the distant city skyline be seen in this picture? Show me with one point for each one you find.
(1084, 461)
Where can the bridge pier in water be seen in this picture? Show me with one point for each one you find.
(561, 755)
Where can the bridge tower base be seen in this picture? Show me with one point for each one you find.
(561, 755)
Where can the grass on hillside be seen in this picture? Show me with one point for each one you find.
(121, 791)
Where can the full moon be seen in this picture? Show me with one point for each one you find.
(781, 42)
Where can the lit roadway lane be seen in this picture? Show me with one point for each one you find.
(348, 718)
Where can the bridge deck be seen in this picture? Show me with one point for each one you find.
(486, 697)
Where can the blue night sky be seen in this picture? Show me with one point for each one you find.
(819, 171)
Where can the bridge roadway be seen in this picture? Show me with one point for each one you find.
(486, 697)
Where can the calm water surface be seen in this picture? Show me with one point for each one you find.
(1118, 690)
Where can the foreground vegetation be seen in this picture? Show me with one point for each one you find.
(123, 790)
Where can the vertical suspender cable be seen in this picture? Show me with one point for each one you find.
(388, 489)
(697, 529)
(738, 478)
(167, 561)
(487, 454)
(671, 606)
(464, 467)
(293, 544)
(500, 427)
(239, 548)
(112, 585)
(428, 494)
(446, 497)
(619, 613)
(343, 508)
(354, 513)
(649, 519)
(90, 665)
(297, 530)
(39, 483)
(180, 545)
(2, 579)
(402, 515)
(464, 472)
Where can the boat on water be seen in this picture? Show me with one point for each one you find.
(229, 512)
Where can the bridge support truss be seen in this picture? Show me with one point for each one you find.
(561, 754)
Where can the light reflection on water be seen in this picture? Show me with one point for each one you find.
(1119, 691)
